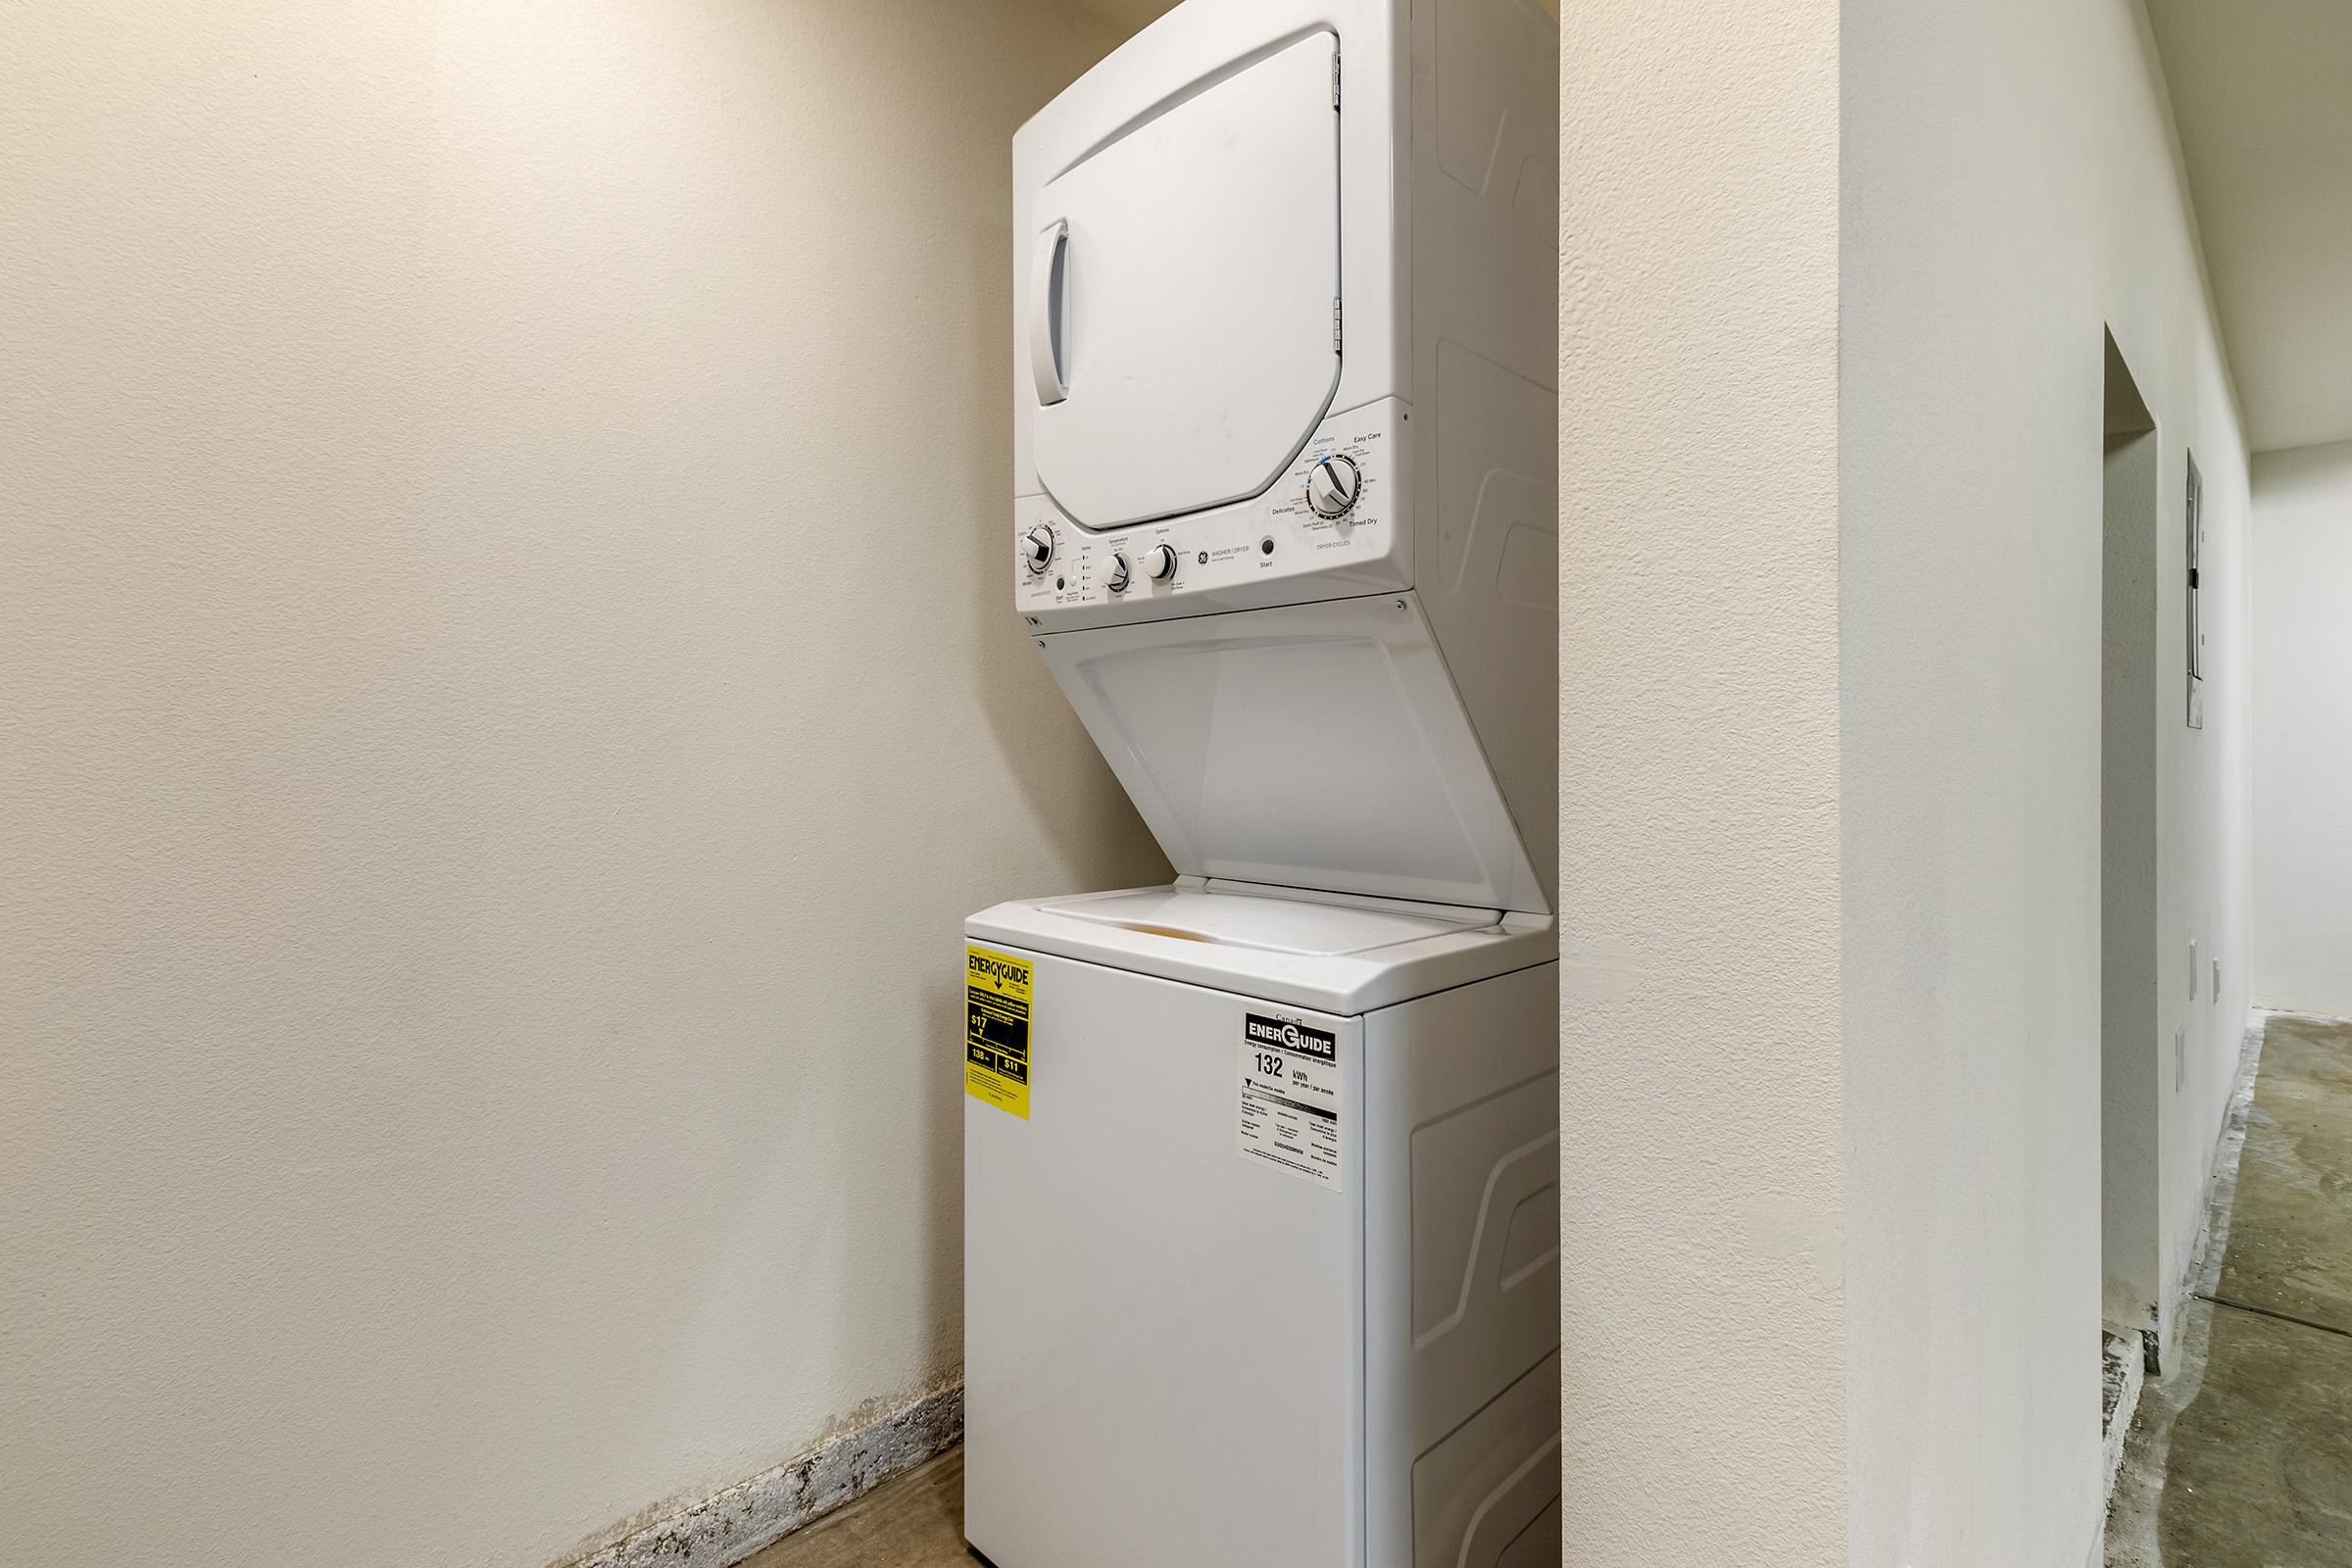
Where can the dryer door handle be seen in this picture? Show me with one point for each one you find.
(1049, 271)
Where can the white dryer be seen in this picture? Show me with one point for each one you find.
(1261, 1239)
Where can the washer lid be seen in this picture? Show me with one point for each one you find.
(1308, 746)
(1179, 317)
(1333, 954)
(1267, 923)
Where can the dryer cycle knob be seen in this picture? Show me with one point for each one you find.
(1037, 548)
(1159, 563)
(1332, 487)
(1121, 574)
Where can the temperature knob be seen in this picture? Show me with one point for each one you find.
(1037, 548)
(1159, 563)
(1120, 573)
(1332, 485)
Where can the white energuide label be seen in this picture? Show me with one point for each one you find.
(1290, 1098)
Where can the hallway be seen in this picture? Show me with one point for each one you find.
(2242, 1457)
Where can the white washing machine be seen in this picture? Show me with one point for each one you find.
(1263, 1269)
(1261, 1203)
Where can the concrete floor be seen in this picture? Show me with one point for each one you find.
(2242, 1457)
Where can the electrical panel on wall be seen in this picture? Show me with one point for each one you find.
(2196, 624)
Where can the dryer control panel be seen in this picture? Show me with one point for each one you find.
(1331, 526)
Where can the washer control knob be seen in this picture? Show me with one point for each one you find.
(1332, 487)
(1037, 548)
(1121, 574)
(1159, 563)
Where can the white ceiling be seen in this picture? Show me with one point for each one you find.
(2261, 90)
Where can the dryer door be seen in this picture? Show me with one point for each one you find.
(1313, 746)
(1179, 316)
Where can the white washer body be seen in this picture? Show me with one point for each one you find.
(1180, 1351)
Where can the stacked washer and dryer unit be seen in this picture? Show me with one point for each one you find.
(1261, 1167)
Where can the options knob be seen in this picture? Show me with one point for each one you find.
(1037, 548)
(1159, 563)
(1332, 487)
(1120, 573)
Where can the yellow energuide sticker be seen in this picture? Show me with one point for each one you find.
(995, 1030)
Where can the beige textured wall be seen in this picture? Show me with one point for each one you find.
(505, 695)
(1702, 1141)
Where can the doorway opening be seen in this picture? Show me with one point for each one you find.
(2132, 1062)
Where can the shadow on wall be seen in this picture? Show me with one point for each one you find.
(1044, 751)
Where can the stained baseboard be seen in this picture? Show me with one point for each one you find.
(729, 1526)
(2134, 1484)
(2202, 1273)
(2124, 1369)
